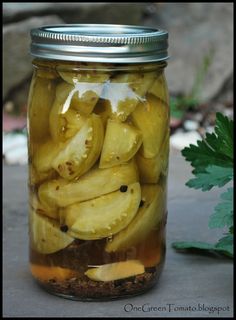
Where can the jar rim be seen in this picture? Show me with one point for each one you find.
(100, 43)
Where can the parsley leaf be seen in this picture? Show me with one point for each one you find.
(213, 176)
(223, 215)
(193, 245)
(212, 160)
(216, 149)
(224, 131)
(231, 230)
(224, 246)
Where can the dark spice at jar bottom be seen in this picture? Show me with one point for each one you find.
(77, 289)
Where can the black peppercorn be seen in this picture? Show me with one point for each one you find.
(141, 203)
(64, 228)
(123, 188)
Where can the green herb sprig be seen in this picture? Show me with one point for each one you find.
(212, 160)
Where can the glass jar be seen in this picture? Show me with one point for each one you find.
(98, 141)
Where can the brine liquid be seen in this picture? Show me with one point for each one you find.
(62, 273)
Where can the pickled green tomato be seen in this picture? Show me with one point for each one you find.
(99, 141)
(41, 96)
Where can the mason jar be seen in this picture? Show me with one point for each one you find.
(98, 141)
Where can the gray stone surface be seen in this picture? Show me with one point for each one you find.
(187, 279)
(17, 65)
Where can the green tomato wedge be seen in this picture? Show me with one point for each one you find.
(41, 96)
(104, 216)
(121, 143)
(44, 154)
(125, 91)
(147, 219)
(86, 86)
(45, 210)
(74, 121)
(94, 183)
(81, 152)
(152, 118)
(93, 73)
(64, 120)
(150, 169)
(45, 234)
(36, 177)
(159, 89)
(103, 110)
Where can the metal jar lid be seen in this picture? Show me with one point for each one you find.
(100, 43)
